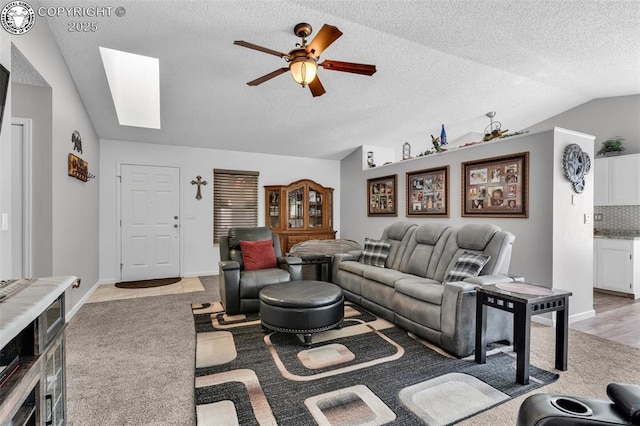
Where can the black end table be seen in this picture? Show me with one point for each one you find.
(523, 300)
(323, 263)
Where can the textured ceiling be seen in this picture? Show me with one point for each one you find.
(438, 62)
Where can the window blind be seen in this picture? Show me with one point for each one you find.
(235, 200)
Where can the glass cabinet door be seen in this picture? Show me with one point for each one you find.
(296, 208)
(315, 209)
(274, 208)
(54, 412)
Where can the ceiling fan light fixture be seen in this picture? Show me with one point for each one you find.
(303, 70)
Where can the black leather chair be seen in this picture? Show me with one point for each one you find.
(550, 410)
(239, 288)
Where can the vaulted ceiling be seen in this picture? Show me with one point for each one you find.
(437, 62)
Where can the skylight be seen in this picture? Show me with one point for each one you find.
(134, 81)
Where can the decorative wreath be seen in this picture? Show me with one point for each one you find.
(576, 164)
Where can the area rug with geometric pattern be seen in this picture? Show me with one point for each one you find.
(367, 372)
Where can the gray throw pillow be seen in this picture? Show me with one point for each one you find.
(375, 252)
(468, 265)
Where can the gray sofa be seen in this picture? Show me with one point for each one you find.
(409, 290)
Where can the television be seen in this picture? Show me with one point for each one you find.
(4, 88)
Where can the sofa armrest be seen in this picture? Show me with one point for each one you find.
(293, 265)
(338, 258)
(228, 265)
(289, 260)
(489, 279)
(229, 285)
(458, 297)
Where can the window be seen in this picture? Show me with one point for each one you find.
(235, 200)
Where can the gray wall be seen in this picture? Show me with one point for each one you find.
(604, 118)
(533, 252)
(75, 204)
(35, 103)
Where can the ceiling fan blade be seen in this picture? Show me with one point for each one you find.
(363, 69)
(327, 35)
(316, 87)
(267, 77)
(260, 48)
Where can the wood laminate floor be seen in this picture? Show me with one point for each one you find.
(617, 318)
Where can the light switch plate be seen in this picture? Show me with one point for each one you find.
(597, 217)
(587, 218)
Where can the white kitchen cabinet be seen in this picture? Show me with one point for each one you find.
(617, 181)
(617, 267)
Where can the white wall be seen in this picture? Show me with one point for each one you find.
(572, 238)
(199, 256)
(75, 205)
(34, 103)
(533, 252)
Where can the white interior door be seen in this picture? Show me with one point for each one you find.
(150, 225)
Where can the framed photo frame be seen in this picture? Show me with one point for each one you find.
(496, 187)
(428, 192)
(382, 196)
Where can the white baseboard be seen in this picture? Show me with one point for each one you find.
(582, 316)
(199, 274)
(80, 303)
(551, 321)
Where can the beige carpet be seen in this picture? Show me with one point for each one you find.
(131, 362)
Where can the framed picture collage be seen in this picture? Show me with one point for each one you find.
(491, 187)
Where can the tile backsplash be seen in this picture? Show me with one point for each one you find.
(618, 218)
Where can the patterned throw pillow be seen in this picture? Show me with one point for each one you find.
(375, 252)
(468, 265)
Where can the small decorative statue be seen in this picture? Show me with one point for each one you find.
(436, 143)
(370, 161)
(76, 139)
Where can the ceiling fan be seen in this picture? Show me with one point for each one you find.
(303, 60)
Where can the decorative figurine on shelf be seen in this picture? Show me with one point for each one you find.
(493, 130)
(437, 144)
(443, 136)
(370, 161)
(406, 151)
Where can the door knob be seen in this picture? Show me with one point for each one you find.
(175, 217)
(175, 225)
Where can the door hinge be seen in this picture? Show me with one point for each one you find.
(121, 265)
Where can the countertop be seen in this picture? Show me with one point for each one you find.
(617, 234)
(17, 311)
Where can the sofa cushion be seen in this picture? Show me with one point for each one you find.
(384, 276)
(258, 255)
(375, 252)
(422, 289)
(476, 236)
(356, 268)
(397, 235)
(468, 265)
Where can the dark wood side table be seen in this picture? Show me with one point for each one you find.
(523, 300)
(324, 264)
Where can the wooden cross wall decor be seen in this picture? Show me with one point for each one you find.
(198, 181)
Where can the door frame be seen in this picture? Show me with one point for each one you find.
(118, 203)
(27, 193)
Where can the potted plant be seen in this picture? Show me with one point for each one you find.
(611, 145)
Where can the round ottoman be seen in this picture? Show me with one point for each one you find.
(301, 307)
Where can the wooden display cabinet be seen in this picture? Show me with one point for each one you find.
(300, 211)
